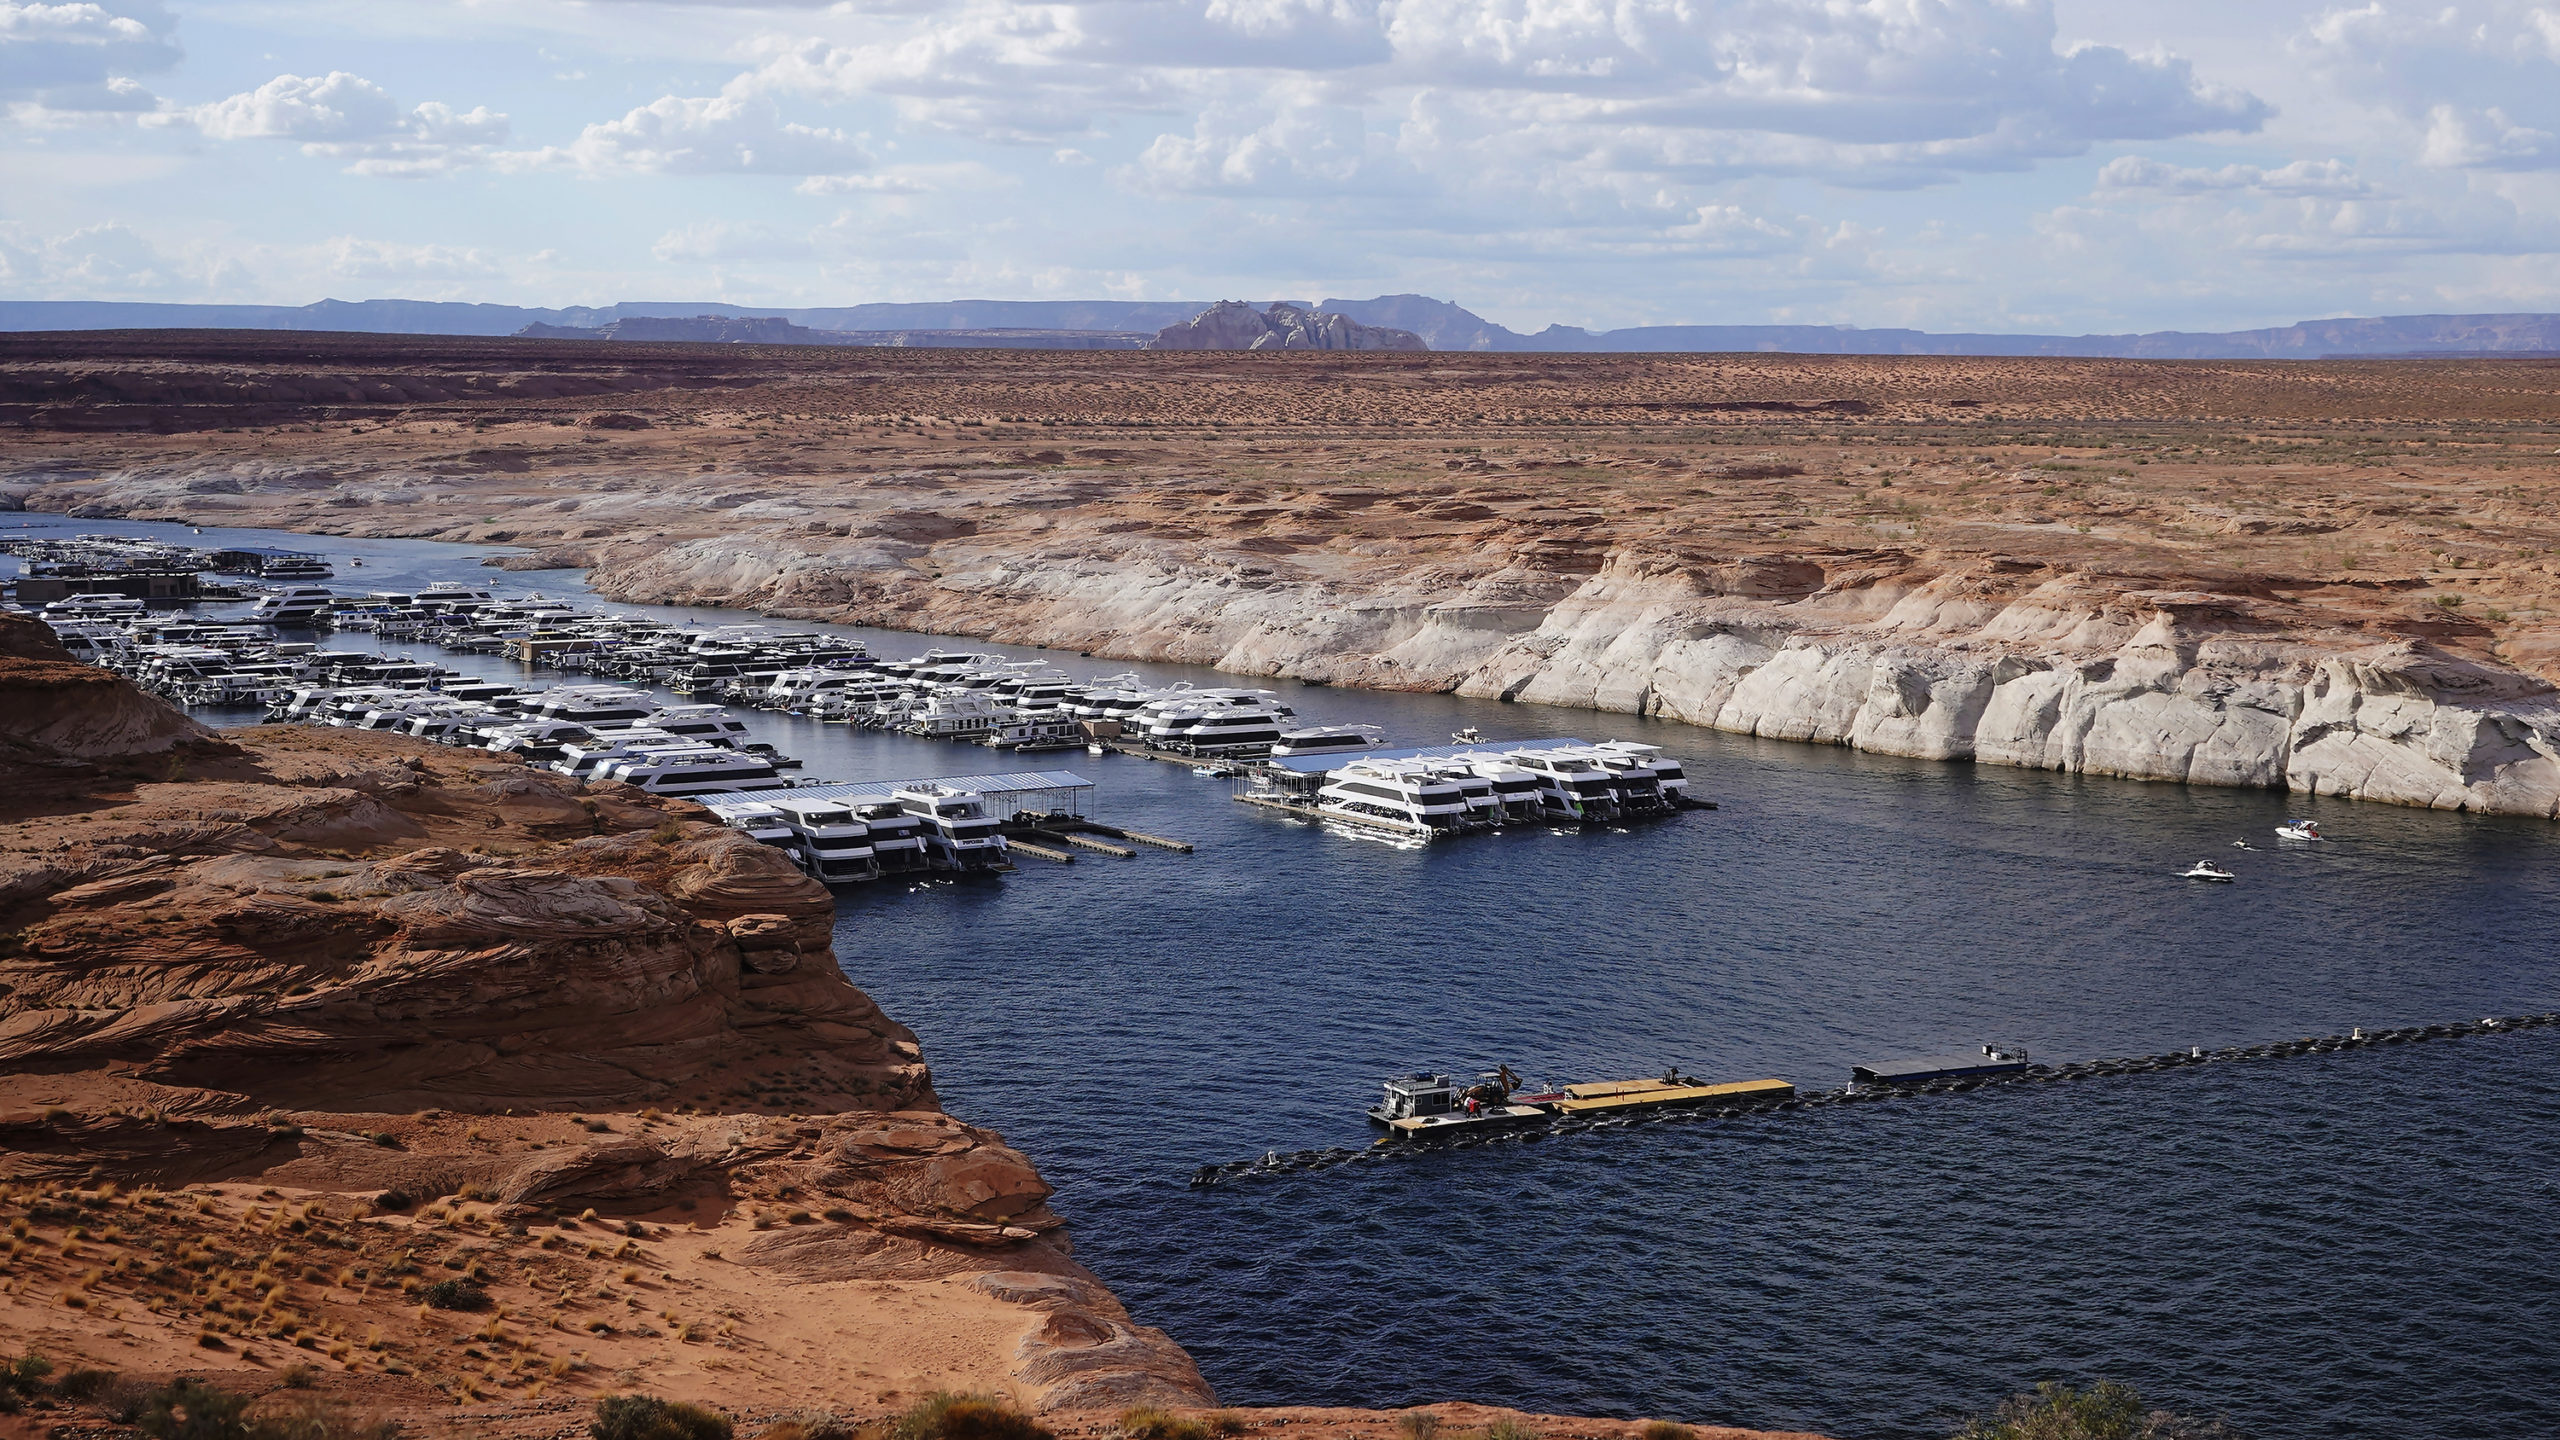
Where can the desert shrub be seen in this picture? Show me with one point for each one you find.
(25, 1375)
(2104, 1411)
(1664, 1430)
(1148, 1423)
(310, 1417)
(455, 1295)
(190, 1410)
(1418, 1425)
(1508, 1428)
(84, 1384)
(1227, 1423)
(646, 1417)
(945, 1416)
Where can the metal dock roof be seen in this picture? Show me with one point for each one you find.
(1007, 790)
(1336, 759)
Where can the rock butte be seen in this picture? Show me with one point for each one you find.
(293, 1022)
(2332, 577)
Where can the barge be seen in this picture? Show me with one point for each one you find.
(1992, 1061)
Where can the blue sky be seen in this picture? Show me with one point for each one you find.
(1947, 164)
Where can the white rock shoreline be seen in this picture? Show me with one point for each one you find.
(2059, 673)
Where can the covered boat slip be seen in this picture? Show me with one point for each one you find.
(1047, 792)
(1618, 1096)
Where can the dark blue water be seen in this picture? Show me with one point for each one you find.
(2348, 1245)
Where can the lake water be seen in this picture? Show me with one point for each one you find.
(2347, 1245)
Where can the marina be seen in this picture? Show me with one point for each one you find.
(637, 700)
(1832, 913)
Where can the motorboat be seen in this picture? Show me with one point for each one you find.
(294, 605)
(1518, 794)
(828, 838)
(1211, 722)
(1573, 784)
(1406, 795)
(2207, 870)
(2300, 830)
(591, 705)
(92, 606)
(698, 771)
(1326, 740)
(958, 831)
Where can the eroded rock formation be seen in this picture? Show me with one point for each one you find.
(1235, 325)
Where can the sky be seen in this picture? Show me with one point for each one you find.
(1987, 165)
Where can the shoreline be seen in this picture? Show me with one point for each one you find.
(2033, 670)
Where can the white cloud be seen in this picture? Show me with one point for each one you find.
(737, 132)
(357, 258)
(1667, 84)
(2459, 137)
(107, 261)
(2479, 78)
(2333, 178)
(81, 57)
(348, 117)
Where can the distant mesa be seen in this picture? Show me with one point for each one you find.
(697, 329)
(1235, 325)
(780, 330)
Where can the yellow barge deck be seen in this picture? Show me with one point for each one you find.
(1618, 1096)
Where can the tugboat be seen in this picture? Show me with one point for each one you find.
(2207, 870)
(2300, 830)
(1424, 1106)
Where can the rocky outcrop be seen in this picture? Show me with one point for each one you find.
(56, 712)
(1235, 325)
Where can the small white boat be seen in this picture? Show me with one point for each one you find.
(2207, 870)
(1094, 750)
(1212, 772)
(2300, 830)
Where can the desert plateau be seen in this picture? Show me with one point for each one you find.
(2329, 577)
